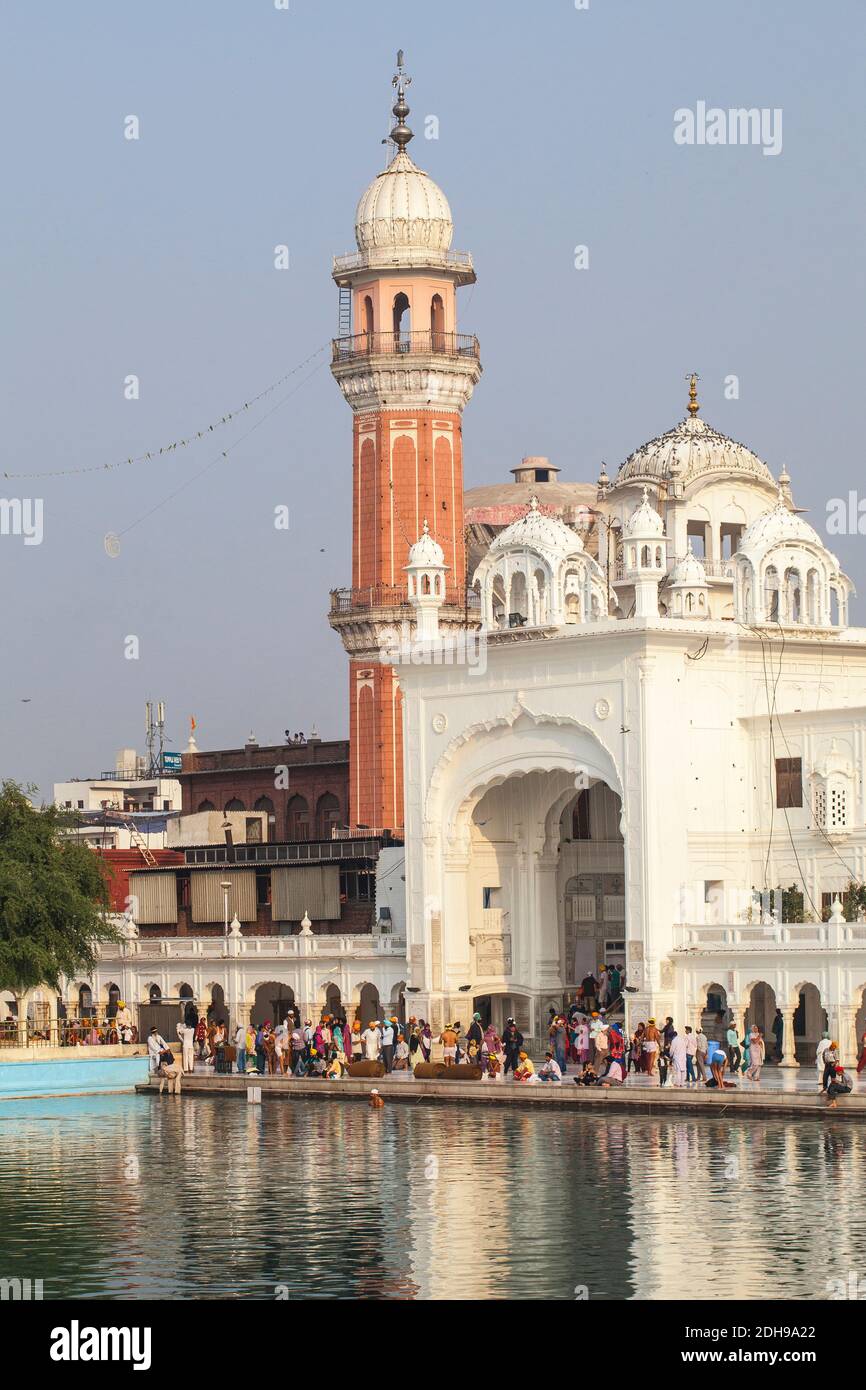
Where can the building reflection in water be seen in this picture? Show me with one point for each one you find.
(124, 1197)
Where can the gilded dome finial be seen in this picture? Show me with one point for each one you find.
(401, 134)
(693, 380)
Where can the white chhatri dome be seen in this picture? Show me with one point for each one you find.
(426, 553)
(535, 530)
(780, 524)
(644, 521)
(688, 572)
(403, 207)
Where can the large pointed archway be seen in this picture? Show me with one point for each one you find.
(493, 906)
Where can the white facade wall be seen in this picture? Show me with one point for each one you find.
(674, 717)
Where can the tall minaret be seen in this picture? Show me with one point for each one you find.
(407, 374)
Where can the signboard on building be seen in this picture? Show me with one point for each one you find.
(172, 762)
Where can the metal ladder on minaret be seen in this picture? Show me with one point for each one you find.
(345, 311)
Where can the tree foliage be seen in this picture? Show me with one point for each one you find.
(53, 896)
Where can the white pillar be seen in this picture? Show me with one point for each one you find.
(788, 1051)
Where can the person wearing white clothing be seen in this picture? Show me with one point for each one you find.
(550, 1069)
(691, 1053)
(388, 1045)
(155, 1044)
(186, 1035)
(678, 1052)
(371, 1040)
(823, 1044)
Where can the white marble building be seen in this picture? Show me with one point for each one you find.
(640, 747)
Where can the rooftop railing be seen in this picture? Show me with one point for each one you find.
(350, 946)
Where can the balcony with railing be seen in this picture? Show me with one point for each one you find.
(371, 596)
(426, 342)
(713, 569)
(457, 262)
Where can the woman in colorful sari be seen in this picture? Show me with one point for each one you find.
(426, 1040)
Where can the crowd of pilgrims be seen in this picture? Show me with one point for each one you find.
(596, 1047)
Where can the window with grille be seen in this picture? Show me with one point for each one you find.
(789, 782)
(831, 805)
(821, 806)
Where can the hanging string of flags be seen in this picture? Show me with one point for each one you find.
(112, 541)
(153, 454)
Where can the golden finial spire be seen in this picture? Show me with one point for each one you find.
(693, 380)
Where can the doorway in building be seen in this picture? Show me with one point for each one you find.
(272, 1004)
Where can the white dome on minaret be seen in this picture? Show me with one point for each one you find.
(644, 522)
(403, 207)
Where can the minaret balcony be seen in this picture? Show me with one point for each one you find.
(425, 343)
(345, 602)
(395, 257)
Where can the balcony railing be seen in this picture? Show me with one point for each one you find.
(713, 569)
(403, 255)
(757, 936)
(425, 342)
(394, 596)
(359, 946)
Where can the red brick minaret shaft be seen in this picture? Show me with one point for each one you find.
(407, 375)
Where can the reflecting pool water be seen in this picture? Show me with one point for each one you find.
(158, 1197)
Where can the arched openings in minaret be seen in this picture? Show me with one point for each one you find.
(365, 753)
(368, 321)
(444, 505)
(405, 513)
(437, 323)
(402, 320)
(367, 538)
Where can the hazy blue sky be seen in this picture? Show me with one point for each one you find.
(261, 127)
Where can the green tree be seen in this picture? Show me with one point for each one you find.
(53, 897)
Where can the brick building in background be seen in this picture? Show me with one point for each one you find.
(303, 788)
